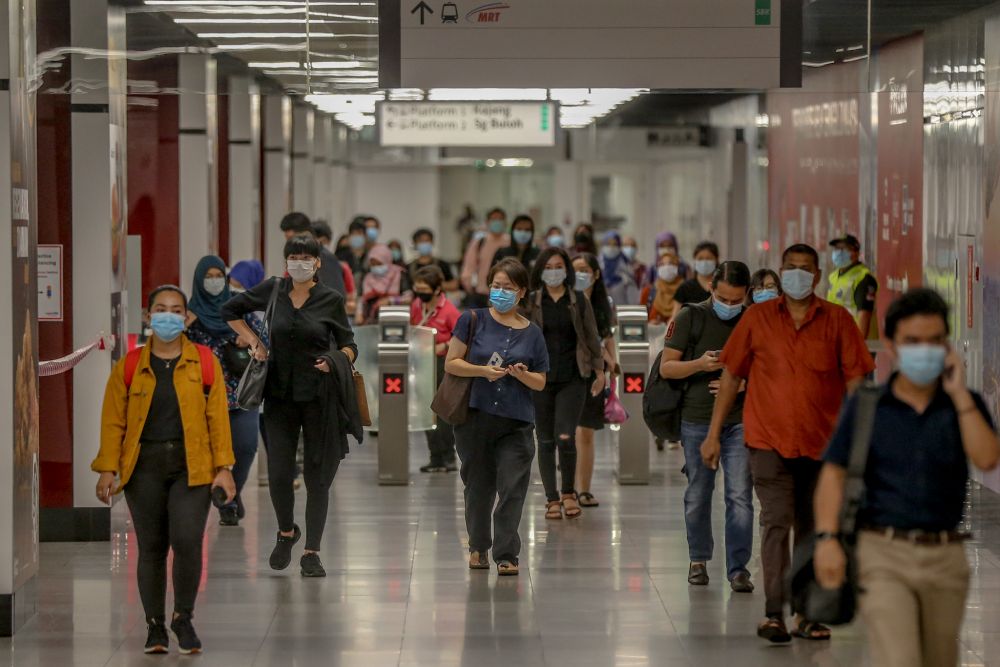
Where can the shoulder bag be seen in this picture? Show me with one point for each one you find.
(250, 391)
(838, 606)
(451, 402)
(661, 402)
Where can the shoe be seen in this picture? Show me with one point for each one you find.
(186, 637)
(773, 629)
(157, 639)
(311, 565)
(241, 511)
(507, 568)
(478, 560)
(698, 574)
(229, 516)
(433, 467)
(741, 583)
(451, 465)
(281, 556)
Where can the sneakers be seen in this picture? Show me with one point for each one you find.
(741, 583)
(311, 565)
(698, 574)
(433, 467)
(451, 465)
(157, 639)
(281, 556)
(229, 516)
(187, 639)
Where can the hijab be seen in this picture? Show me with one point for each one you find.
(662, 239)
(204, 305)
(610, 267)
(388, 284)
(663, 302)
(248, 273)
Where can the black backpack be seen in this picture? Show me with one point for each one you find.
(661, 403)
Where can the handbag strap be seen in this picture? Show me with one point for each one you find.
(861, 436)
(269, 312)
(473, 319)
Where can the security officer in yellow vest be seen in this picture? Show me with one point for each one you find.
(852, 285)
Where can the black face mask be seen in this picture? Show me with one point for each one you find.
(426, 297)
(582, 238)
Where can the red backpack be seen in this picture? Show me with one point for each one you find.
(207, 366)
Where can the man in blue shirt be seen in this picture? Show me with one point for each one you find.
(928, 426)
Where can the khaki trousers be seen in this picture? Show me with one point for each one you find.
(912, 601)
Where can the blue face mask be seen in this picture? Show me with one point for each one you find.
(166, 326)
(704, 267)
(397, 254)
(796, 283)
(371, 233)
(357, 241)
(583, 281)
(629, 252)
(426, 248)
(556, 241)
(724, 311)
(760, 296)
(921, 364)
(503, 299)
(498, 226)
(380, 270)
(611, 251)
(841, 258)
(522, 236)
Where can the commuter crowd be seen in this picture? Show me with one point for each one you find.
(771, 382)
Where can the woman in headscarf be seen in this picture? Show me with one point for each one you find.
(205, 326)
(666, 244)
(617, 272)
(658, 297)
(385, 284)
(245, 275)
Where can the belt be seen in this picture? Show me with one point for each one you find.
(924, 537)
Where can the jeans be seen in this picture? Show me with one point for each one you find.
(557, 414)
(167, 514)
(496, 454)
(244, 427)
(734, 459)
(441, 440)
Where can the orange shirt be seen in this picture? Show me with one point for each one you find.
(796, 380)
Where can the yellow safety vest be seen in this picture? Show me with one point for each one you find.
(842, 289)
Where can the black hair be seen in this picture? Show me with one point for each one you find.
(732, 273)
(514, 270)
(157, 291)
(302, 244)
(801, 249)
(543, 258)
(341, 240)
(296, 222)
(431, 274)
(553, 228)
(598, 296)
(356, 226)
(378, 223)
(513, 244)
(589, 245)
(422, 231)
(321, 229)
(917, 301)
(759, 276)
(709, 246)
(494, 211)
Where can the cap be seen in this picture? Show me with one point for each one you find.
(847, 239)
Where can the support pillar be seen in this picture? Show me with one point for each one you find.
(277, 178)
(244, 169)
(303, 135)
(322, 206)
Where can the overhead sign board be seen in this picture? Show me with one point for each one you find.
(466, 123)
(665, 44)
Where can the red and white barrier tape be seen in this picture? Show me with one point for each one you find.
(63, 364)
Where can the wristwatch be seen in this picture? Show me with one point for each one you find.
(826, 535)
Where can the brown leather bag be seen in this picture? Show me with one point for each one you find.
(362, 397)
(451, 402)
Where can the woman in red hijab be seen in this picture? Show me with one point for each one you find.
(385, 284)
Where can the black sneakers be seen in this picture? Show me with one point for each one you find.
(228, 516)
(312, 566)
(281, 556)
(433, 467)
(186, 637)
(698, 574)
(157, 639)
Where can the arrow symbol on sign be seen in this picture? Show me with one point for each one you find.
(424, 9)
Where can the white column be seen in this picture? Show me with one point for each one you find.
(322, 203)
(277, 178)
(303, 131)
(341, 185)
(244, 169)
(197, 140)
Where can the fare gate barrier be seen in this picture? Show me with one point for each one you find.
(633, 356)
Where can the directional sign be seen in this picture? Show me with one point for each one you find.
(467, 123)
(679, 44)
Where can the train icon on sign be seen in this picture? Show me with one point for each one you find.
(449, 13)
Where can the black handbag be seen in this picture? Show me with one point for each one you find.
(661, 402)
(838, 606)
(250, 391)
(235, 359)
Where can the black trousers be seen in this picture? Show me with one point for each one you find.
(167, 515)
(496, 455)
(557, 414)
(441, 440)
(284, 420)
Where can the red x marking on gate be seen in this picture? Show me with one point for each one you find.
(393, 385)
(633, 383)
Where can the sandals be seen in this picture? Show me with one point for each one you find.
(773, 630)
(553, 510)
(478, 560)
(587, 500)
(812, 631)
(506, 568)
(571, 506)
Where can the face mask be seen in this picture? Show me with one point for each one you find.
(371, 233)
(425, 249)
(556, 241)
(667, 273)
(629, 252)
(921, 364)
(380, 270)
(582, 239)
(724, 311)
(553, 277)
(357, 241)
(704, 267)
(302, 270)
(584, 281)
(503, 299)
(522, 236)
(497, 226)
(611, 251)
(214, 286)
(841, 258)
(426, 297)
(397, 254)
(760, 296)
(796, 283)
(166, 326)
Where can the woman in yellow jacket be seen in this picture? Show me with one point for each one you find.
(165, 436)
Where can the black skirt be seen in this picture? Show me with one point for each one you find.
(593, 409)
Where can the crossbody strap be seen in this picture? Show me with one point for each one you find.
(269, 312)
(473, 320)
(861, 436)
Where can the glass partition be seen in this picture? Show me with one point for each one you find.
(366, 338)
(423, 366)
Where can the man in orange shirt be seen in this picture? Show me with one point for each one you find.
(800, 356)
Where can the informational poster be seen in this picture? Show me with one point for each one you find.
(50, 283)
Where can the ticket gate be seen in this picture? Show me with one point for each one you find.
(393, 412)
(632, 338)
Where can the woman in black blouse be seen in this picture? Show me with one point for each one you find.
(309, 330)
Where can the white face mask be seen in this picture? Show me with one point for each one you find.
(667, 272)
(214, 286)
(302, 270)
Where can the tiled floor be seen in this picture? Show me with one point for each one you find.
(608, 589)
